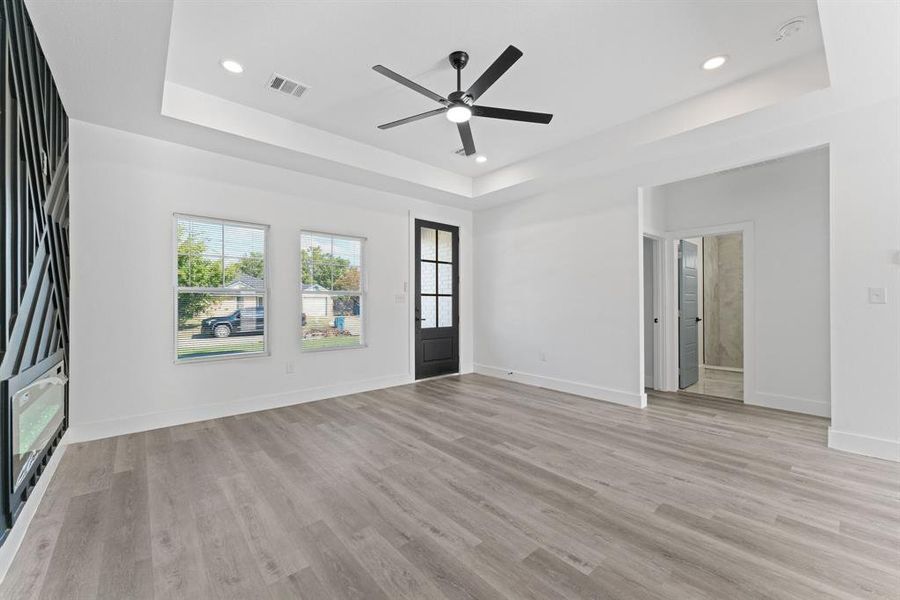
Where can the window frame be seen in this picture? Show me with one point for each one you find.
(221, 291)
(362, 292)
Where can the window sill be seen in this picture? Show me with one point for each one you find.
(223, 357)
(314, 350)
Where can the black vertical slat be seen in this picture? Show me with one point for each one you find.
(16, 201)
(27, 220)
(9, 160)
(61, 286)
(36, 109)
(24, 96)
(21, 216)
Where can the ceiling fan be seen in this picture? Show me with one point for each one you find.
(459, 106)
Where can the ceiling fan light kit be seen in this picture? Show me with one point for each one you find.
(459, 106)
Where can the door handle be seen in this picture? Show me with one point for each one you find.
(698, 319)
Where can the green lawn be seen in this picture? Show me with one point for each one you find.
(336, 341)
(218, 347)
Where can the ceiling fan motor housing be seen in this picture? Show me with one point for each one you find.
(459, 59)
(460, 98)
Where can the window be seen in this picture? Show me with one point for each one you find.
(220, 288)
(331, 291)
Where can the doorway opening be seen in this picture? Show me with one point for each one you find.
(710, 281)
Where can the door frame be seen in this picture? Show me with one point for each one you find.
(409, 289)
(666, 279)
(658, 301)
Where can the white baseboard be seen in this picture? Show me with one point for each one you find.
(83, 432)
(638, 400)
(864, 444)
(807, 406)
(14, 539)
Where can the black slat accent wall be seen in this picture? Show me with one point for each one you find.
(35, 198)
(34, 211)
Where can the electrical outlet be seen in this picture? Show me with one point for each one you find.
(400, 298)
(289, 367)
(877, 295)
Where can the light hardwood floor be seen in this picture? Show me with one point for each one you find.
(469, 487)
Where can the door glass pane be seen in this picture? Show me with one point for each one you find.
(428, 310)
(445, 246)
(445, 311)
(428, 278)
(429, 244)
(445, 279)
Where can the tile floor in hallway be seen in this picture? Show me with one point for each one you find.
(719, 383)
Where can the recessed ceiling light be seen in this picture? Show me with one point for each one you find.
(232, 66)
(481, 159)
(459, 113)
(714, 63)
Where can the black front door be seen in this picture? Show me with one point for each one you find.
(437, 299)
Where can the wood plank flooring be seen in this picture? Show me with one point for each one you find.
(469, 487)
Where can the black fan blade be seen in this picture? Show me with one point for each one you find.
(410, 84)
(511, 115)
(493, 73)
(423, 115)
(465, 133)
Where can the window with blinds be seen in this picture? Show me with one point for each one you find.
(332, 296)
(220, 288)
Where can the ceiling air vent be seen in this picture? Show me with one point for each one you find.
(280, 83)
(791, 27)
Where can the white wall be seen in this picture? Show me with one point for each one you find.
(558, 275)
(787, 202)
(579, 247)
(124, 190)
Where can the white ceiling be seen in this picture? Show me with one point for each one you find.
(121, 65)
(593, 64)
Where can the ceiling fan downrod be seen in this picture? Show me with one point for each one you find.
(459, 60)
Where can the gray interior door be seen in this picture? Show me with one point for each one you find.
(688, 317)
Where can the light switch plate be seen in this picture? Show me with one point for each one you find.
(877, 295)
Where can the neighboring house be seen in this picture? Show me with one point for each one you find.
(318, 311)
(244, 283)
(316, 306)
(248, 283)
